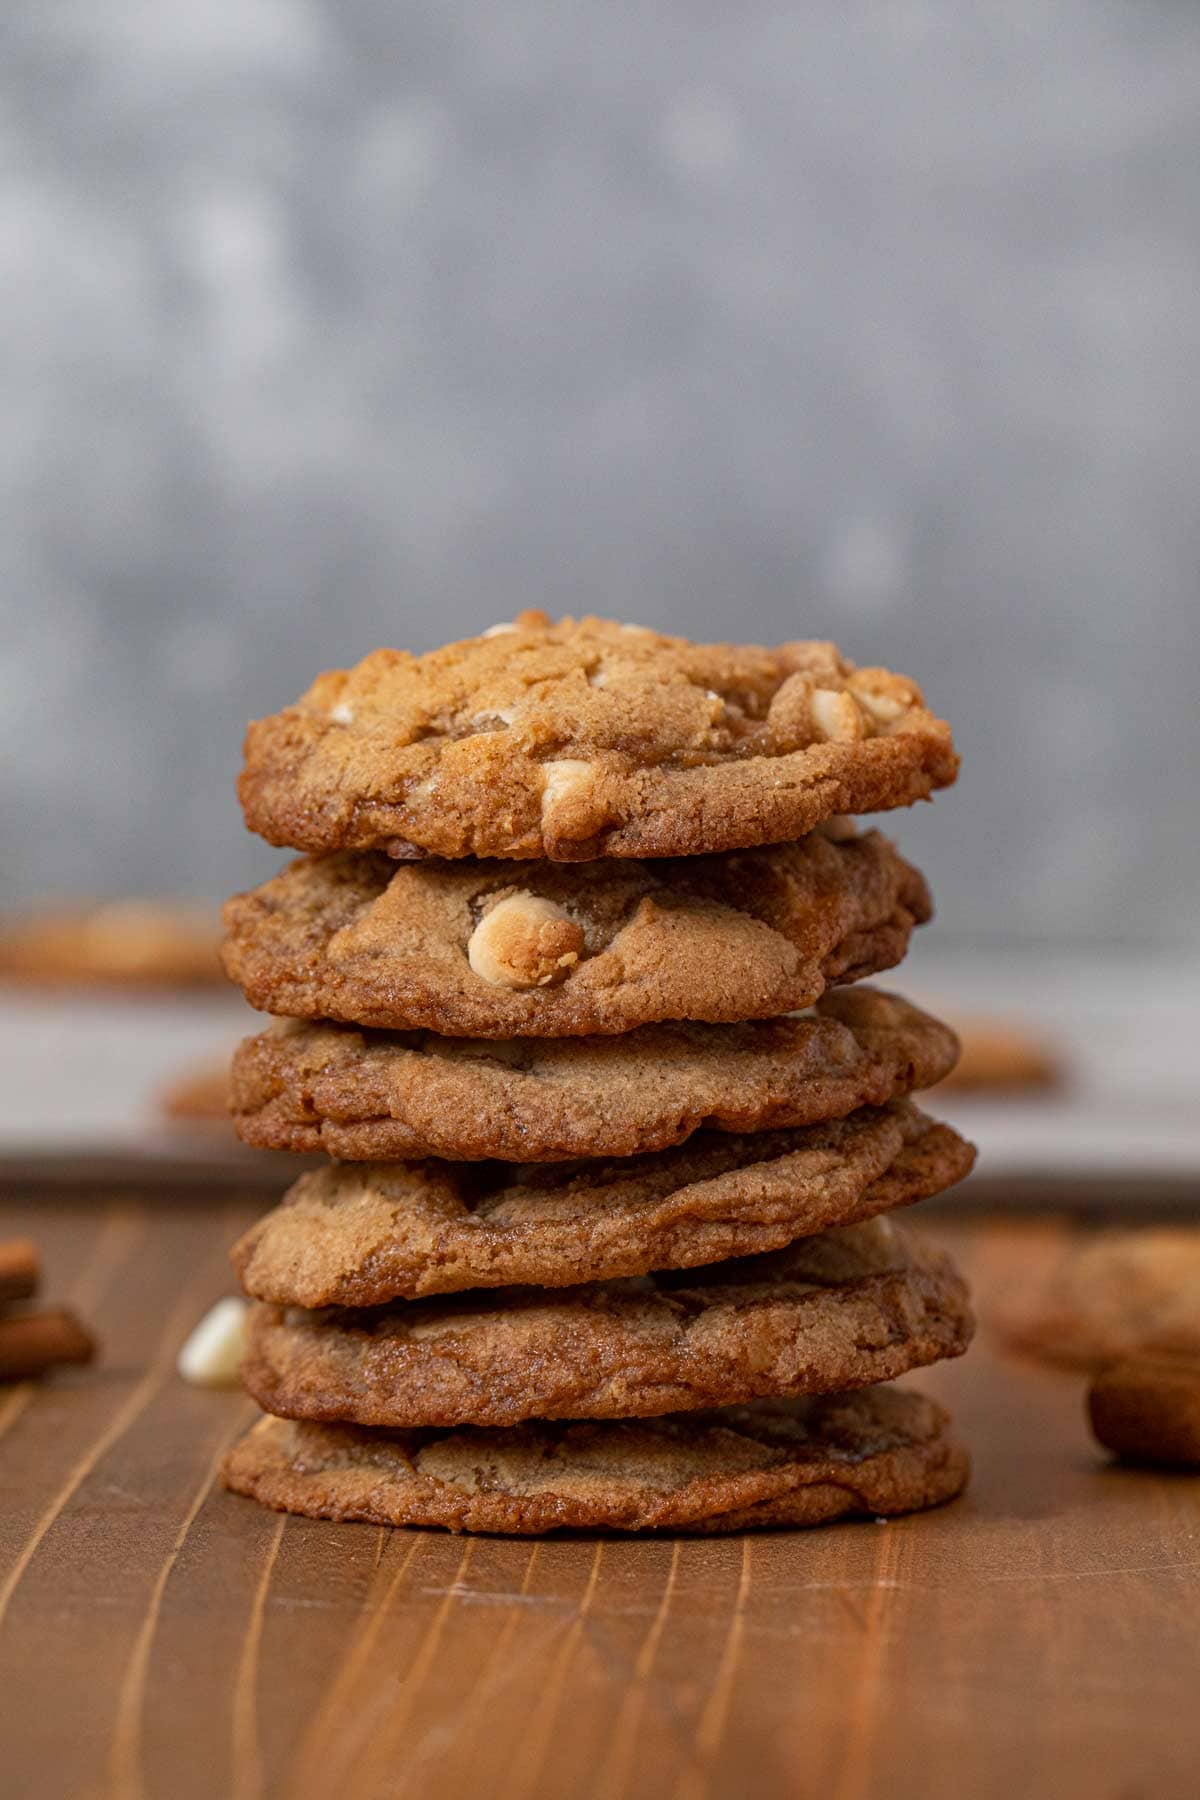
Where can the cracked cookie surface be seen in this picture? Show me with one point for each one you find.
(797, 1462)
(587, 738)
(387, 1096)
(361, 1234)
(844, 1309)
(483, 950)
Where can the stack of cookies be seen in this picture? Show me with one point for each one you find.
(564, 982)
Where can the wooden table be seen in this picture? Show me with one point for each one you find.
(159, 1637)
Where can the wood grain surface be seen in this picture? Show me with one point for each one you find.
(160, 1638)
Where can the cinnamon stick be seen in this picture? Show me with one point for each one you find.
(30, 1343)
(20, 1270)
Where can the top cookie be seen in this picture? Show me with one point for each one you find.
(587, 738)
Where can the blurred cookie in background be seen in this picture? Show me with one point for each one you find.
(122, 943)
(1108, 1294)
(999, 1056)
(198, 1095)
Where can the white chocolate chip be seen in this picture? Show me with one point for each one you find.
(525, 941)
(342, 713)
(212, 1355)
(564, 779)
(883, 707)
(835, 716)
(499, 630)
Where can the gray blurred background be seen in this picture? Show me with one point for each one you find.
(333, 323)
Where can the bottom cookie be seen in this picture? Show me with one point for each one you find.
(797, 1462)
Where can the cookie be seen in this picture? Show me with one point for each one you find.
(134, 943)
(584, 739)
(375, 1096)
(996, 1057)
(200, 1095)
(842, 1310)
(463, 949)
(1109, 1294)
(361, 1234)
(1147, 1409)
(786, 1462)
